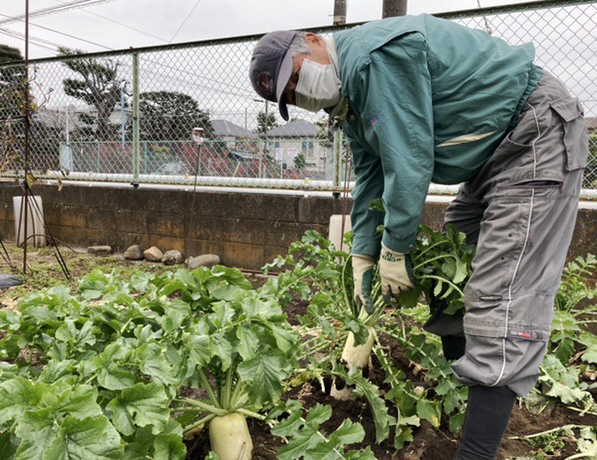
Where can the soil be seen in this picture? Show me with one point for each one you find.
(428, 444)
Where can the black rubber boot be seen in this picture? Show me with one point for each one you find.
(453, 346)
(487, 414)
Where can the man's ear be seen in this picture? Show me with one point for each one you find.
(312, 38)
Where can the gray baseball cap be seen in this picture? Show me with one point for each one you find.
(271, 67)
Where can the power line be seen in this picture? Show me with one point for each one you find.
(21, 36)
(125, 25)
(185, 20)
(55, 9)
(214, 80)
(31, 39)
(62, 33)
(169, 78)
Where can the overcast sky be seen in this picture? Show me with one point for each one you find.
(119, 24)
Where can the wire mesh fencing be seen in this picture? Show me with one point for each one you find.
(186, 113)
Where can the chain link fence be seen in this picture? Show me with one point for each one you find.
(187, 114)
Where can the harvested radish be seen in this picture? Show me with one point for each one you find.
(357, 356)
(229, 437)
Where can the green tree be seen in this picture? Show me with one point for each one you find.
(12, 86)
(12, 81)
(300, 161)
(323, 134)
(264, 123)
(97, 85)
(167, 115)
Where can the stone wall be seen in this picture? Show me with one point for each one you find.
(246, 229)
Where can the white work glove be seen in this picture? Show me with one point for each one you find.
(393, 273)
(362, 270)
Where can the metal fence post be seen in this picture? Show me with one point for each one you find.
(338, 141)
(136, 133)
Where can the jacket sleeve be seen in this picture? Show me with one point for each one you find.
(368, 187)
(395, 101)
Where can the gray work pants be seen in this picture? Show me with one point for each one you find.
(520, 211)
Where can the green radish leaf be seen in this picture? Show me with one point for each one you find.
(8, 446)
(200, 347)
(290, 425)
(449, 267)
(455, 306)
(9, 320)
(456, 422)
(462, 272)
(366, 454)
(319, 414)
(378, 408)
(169, 447)
(37, 432)
(140, 405)
(78, 339)
(565, 349)
(57, 370)
(114, 379)
(286, 339)
(590, 342)
(409, 299)
(429, 411)
(7, 372)
(222, 315)
(139, 447)
(146, 335)
(403, 436)
(159, 362)
(438, 289)
(18, 396)
(265, 373)
(223, 349)
(449, 291)
(348, 433)
(300, 444)
(78, 402)
(562, 382)
(308, 437)
(249, 344)
(90, 438)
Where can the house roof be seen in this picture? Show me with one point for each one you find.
(294, 128)
(57, 118)
(224, 128)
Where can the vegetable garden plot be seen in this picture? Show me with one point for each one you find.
(138, 366)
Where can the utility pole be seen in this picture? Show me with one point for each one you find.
(393, 8)
(26, 121)
(339, 12)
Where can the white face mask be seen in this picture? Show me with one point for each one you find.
(318, 86)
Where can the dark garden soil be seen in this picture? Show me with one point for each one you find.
(428, 444)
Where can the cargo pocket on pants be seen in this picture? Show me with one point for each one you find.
(505, 341)
(575, 136)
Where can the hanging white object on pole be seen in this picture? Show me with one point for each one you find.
(35, 230)
(340, 225)
(197, 135)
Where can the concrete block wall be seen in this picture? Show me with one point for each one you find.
(246, 229)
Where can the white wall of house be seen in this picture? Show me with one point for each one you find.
(286, 150)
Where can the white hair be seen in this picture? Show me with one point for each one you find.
(299, 45)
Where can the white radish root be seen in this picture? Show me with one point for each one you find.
(357, 356)
(353, 356)
(229, 437)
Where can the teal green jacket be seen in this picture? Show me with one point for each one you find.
(429, 101)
